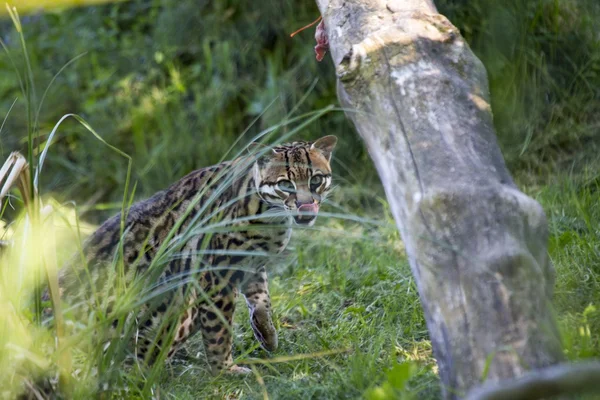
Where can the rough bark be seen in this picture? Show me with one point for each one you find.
(476, 244)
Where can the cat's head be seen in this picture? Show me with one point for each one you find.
(296, 176)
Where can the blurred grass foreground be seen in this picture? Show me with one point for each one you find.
(112, 102)
(29, 6)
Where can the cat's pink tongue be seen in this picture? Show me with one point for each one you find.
(309, 208)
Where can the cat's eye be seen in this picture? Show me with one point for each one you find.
(316, 181)
(286, 186)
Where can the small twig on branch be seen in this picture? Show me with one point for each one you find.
(306, 27)
(542, 383)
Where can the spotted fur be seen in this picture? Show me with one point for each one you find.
(199, 242)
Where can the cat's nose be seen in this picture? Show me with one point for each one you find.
(303, 196)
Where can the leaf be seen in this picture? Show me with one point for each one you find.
(400, 373)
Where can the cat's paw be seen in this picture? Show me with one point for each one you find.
(239, 370)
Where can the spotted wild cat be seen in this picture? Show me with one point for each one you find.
(227, 220)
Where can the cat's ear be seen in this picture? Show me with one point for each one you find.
(325, 145)
(261, 152)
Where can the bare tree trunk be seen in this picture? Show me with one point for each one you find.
(476, 244)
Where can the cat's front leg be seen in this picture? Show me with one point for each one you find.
(256, 291)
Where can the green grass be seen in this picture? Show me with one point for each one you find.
(176, 94)
(574, 217)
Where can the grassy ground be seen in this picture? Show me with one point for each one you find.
(175, 94)
(356, 292)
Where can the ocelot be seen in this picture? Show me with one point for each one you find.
(199, 242)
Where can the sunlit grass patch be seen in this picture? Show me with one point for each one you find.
(28, 6)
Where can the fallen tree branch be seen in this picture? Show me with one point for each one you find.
(542, 383)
